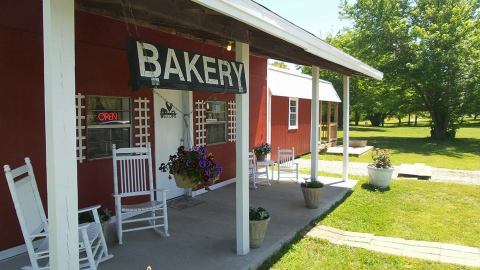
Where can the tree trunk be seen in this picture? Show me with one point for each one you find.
(409, 118)
(416, 120)
(439, 128)
(357, 118)
(475, 116)
(399, 121)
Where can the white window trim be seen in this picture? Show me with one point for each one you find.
(290, 127)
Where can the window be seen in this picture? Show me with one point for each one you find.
(216, 122)
(293, 113)
(108, 122)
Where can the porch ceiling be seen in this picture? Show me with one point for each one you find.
(184, 17)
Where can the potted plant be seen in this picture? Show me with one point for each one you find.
(104, 214)
(262, 151)
(312, 193)
(380, 171)
(192, 167)
(259, 219)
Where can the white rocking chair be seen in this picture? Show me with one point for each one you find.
(286, 162)
(133, 177)
(253, 171)
(34, 225)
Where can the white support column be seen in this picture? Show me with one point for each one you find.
(242, 191)
(346, 125)
(314, 124)
(59, 83)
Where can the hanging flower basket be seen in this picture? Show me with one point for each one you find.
(184, 181)
(192, 168)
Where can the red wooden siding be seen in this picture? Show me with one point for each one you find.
(101, 69)
(283, 137)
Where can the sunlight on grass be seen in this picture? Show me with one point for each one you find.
(310, 253)
(411, 209)
(412, 145)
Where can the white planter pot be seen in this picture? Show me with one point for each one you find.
(379, 177)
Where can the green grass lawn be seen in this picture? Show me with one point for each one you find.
(411, 209)
(311, 253)
(412, 145)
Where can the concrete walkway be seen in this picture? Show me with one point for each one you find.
(203, 236)
(438, 252)
(360, 168)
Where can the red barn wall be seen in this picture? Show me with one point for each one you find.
(101, 69)
(283, 137)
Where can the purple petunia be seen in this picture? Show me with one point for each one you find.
(202, 163)
(202, 150)
(189, 163)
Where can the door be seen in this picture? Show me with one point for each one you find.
(168, 135)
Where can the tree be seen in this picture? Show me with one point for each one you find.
(428, 51)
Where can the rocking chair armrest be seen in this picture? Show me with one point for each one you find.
(159, 189)
(43, 234)
(83, 226)
(88, 209)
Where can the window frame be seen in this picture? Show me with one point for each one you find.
(292, 127)
(225, 122)
(113, 126)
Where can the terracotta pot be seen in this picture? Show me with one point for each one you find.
(312, 197)
(258, 228)
(379, 177)
(183, 181)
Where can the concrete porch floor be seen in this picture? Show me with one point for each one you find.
(203, 236)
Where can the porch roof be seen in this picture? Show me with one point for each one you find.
(221, 21)
(286, 83)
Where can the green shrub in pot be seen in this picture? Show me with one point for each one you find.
(259, 219)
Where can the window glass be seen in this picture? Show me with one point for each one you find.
(108, 122)
(293, 114)
(216, 124)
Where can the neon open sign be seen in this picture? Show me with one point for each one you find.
(107, 116)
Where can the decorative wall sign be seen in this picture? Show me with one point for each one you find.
(168, 111)
(154, 65)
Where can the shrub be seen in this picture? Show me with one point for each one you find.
(258, 213)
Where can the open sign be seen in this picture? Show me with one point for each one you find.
(107, 116)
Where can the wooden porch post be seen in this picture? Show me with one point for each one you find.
(241, 188)
(59, 83)
(314, 124)
(329, 122)
(346, 125)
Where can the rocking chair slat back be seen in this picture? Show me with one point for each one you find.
(27, 202)
(132, 171)
(286, 157)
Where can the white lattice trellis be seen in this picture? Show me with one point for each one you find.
(200, 116)
(142, 116)
(232, 121)
(80, 108)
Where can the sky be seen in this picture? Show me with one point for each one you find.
(319, 17)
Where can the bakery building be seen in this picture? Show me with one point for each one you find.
(80, 76)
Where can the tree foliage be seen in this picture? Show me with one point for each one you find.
(429, 51)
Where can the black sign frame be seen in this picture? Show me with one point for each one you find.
(186, 70)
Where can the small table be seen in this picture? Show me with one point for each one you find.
(266, 164)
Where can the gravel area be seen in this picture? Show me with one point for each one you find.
(359, 168)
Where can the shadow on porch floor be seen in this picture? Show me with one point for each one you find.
(203, 236)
